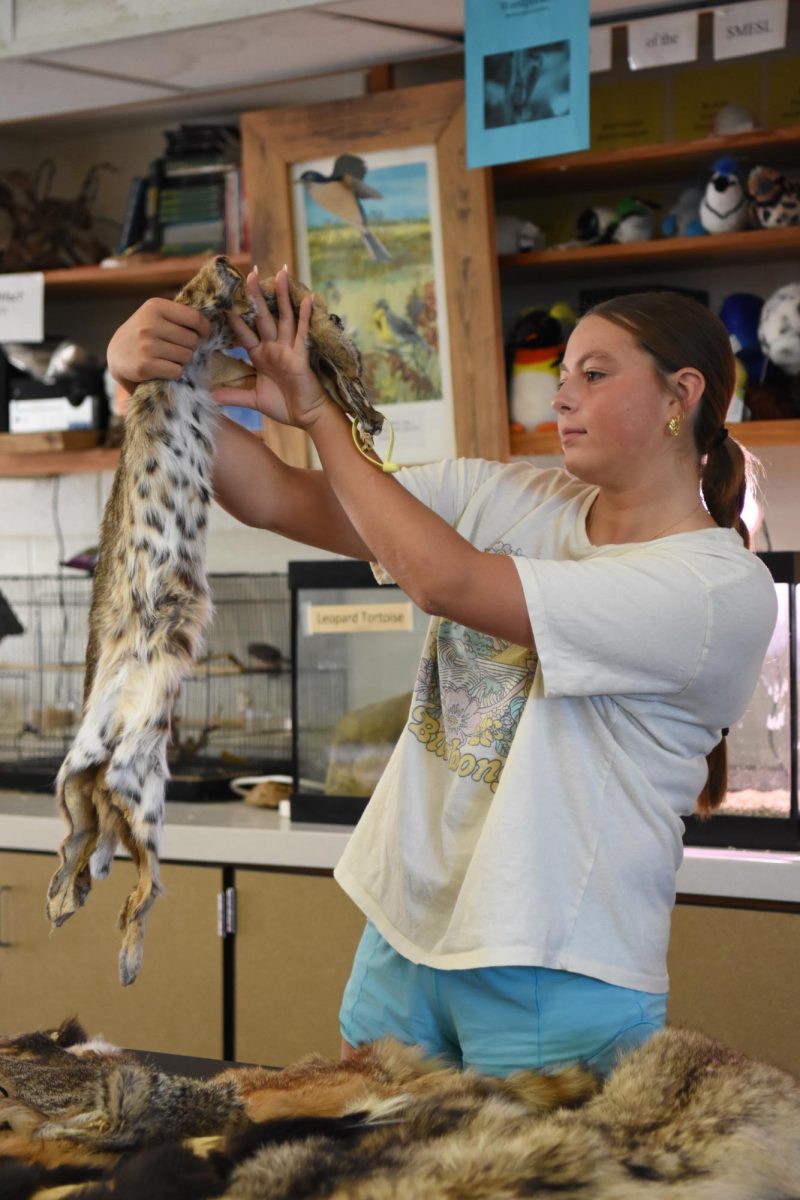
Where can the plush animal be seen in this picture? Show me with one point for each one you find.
(635, 220)
(774, 199)
(779, 328)
(514, 236)
(535, 348)
(683, 219)
(151, 603)
(723, 208)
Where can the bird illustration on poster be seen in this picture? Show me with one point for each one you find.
(341, 194)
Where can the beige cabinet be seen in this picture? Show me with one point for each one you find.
(175, 1005)
(295, 939)
(734, 975)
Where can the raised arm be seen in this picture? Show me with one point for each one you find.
(251, 482)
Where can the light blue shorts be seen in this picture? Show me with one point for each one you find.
(494, 1019)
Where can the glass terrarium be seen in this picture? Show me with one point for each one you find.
(760, 810)
(355, 652)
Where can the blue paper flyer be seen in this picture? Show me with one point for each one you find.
(527, 79)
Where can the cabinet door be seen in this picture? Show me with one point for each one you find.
(175, 1004)
(296, 934)
(734, 975)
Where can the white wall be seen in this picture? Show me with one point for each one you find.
(31, 510)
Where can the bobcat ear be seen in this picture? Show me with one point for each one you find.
(231, 281)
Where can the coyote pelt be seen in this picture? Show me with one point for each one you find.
(680, 1118)
(151, 602)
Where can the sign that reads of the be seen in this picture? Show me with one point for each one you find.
(22, 307)
(360, 618)
(658, 41)
(750, 28)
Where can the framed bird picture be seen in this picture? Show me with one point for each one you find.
(370, 203)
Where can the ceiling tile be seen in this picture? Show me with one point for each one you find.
(33, 90)
(256, 49)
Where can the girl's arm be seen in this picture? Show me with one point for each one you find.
(250, 481)
(438, 568)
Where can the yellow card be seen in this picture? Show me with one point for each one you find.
(359, 618)
(627, 114)
(782, 88)
(699, 94)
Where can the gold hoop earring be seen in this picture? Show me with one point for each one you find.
(674, 426)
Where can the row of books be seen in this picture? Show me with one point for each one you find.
(192, 199)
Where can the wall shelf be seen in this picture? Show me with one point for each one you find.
(57, 462)
(721, 249)
(674, 161)
(144, 277)
(750, 433)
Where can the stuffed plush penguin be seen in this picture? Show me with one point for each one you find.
(774, 199)
(724, 207)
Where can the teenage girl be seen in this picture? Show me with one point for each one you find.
(595, 630)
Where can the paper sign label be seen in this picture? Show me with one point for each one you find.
(22, 307)
(599, 48)
(750, 28)
(658, 41)
(360, 618)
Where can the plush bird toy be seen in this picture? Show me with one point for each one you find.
(634, 220)
(779, 328)
(774, 199)
(683, 219)
(341, 193)
(723, 208)
(535, 349)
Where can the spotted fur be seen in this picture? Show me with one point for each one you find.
(151, 602)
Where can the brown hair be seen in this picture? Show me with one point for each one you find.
(677, 332)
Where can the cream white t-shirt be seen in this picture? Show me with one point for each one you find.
(531, 811)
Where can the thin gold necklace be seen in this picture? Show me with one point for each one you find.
(661, 532)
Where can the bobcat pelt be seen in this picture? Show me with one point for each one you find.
(151, 602)
(680, 1118)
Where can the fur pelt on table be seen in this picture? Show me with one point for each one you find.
(680, 1118)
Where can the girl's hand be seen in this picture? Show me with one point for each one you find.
(156, 342)
(286, 388)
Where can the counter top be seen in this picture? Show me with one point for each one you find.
(232, 832)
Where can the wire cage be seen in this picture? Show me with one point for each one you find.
(232, 715)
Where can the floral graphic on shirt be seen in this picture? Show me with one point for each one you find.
(469, 696)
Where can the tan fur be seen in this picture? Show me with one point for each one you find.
(680, 1118)
(151, 602)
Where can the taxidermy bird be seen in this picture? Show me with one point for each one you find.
(341, 193)
(151, 602)
(723, 208)
(774, 199)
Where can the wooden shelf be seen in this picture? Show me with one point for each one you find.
(149, 277)
(749, 433)
(57, 462)
(720, 249)
(674, 160)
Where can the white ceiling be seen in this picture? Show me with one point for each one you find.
(62, 57)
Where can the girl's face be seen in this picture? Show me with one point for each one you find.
(612, 405)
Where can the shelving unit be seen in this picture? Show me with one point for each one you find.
(135, 279)
(596, 170)
(750, 433)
